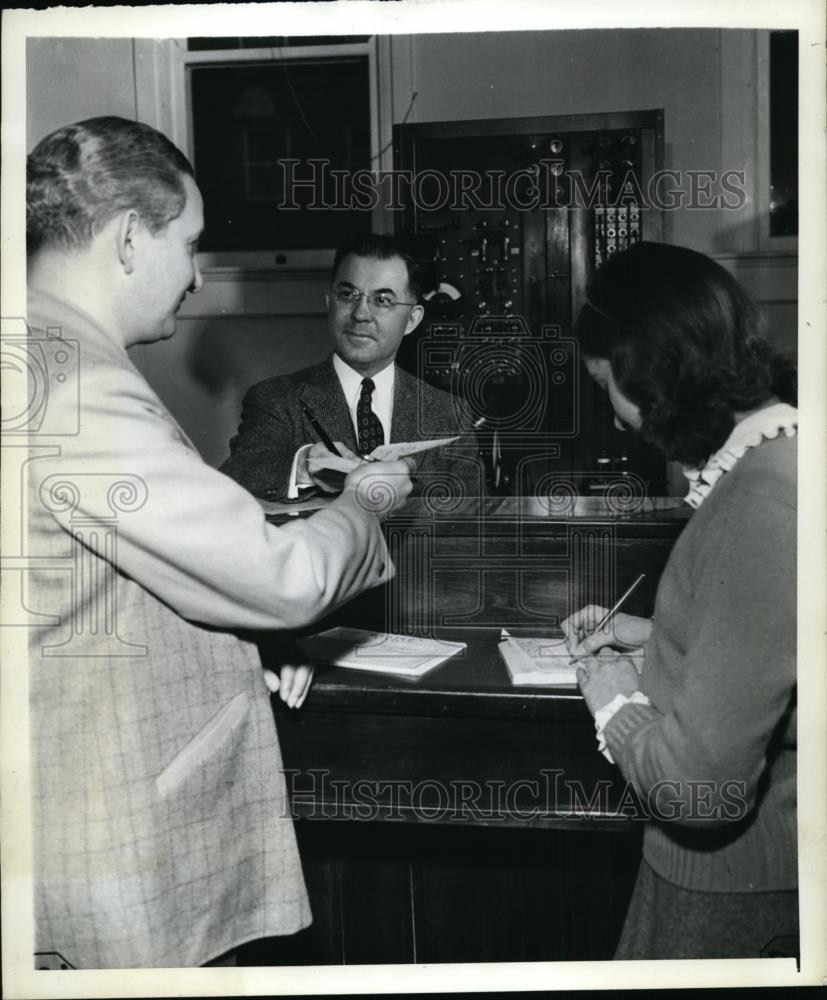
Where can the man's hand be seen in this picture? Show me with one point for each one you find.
(381, 487)
(313, 466)
(602, 677)
(623, 632)
(290, 683)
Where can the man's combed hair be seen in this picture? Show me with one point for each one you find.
(81, 176)
(382, 246)
(685, 343)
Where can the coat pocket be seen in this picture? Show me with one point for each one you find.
(203, 744)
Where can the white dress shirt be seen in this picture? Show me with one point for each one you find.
(351, 382)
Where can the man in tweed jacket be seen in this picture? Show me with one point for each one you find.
(162, 832)
(373, 304)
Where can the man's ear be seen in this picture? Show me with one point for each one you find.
(127, 236)
(414, 319)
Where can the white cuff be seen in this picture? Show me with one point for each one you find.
(602, 716)
(292, 485)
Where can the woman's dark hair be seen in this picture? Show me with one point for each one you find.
(685, 345)
(81, 176)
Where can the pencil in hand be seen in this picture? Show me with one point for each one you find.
(610, 614)
(324, 437)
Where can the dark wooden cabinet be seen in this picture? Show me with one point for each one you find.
(457, 818)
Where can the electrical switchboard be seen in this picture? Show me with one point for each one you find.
(509, 218)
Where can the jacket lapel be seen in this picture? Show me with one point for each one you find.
(322, 392)
(406, 422)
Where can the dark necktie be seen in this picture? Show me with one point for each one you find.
(371, 434)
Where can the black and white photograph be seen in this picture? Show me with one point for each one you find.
(406, 578)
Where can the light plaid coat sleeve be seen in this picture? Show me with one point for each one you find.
(162, 833)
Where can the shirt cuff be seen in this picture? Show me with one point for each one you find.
(293, 486)
(602, 716)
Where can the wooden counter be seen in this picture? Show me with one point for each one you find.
(518, 563)
(456, 817)
(459, 745)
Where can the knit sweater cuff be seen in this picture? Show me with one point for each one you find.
(603, 716)
(626, 721)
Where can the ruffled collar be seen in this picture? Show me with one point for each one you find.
(751, 431)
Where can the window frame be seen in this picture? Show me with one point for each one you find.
(766, 242)
(166, 64)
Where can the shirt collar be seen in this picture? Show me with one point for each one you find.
(762, 425)
(351, 380)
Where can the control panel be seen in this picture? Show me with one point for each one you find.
(510, 218)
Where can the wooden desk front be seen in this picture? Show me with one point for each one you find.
(458, 818)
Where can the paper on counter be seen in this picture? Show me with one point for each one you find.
(378, 652)
(538, 661)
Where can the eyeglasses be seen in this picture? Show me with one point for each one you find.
(347, 295)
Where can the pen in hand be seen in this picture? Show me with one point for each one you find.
(604, 621)
(317, 427)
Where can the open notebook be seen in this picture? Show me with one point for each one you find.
(538, 661)
(378, 652)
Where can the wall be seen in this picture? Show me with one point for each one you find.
(528, 73)
(229, 336)
(69, 79)
(245, 326)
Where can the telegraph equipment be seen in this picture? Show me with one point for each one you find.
(510, 218)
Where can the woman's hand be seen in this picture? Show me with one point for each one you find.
(602, 677)
(624, 632)
(291, 683)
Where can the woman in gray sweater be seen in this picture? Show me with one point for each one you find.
(697, 705)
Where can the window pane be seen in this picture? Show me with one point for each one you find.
(784, 133)
(279, 42)
(249, 117)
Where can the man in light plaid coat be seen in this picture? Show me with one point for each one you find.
(162, 833)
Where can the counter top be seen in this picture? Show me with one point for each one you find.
(461, 744)
(631, 510)
(474, 682)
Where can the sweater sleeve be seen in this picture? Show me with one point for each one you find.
(705, 741)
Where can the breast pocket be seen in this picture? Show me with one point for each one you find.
(204, 745)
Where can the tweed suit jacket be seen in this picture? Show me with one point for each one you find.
(162, 831)
(274, 426)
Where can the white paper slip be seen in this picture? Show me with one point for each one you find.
(401, 449)
(378, 652)
(538, 661)
(385, 453)
(339, 463)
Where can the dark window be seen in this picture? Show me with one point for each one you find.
(783, 133)
(276, 41)
(248, 118)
